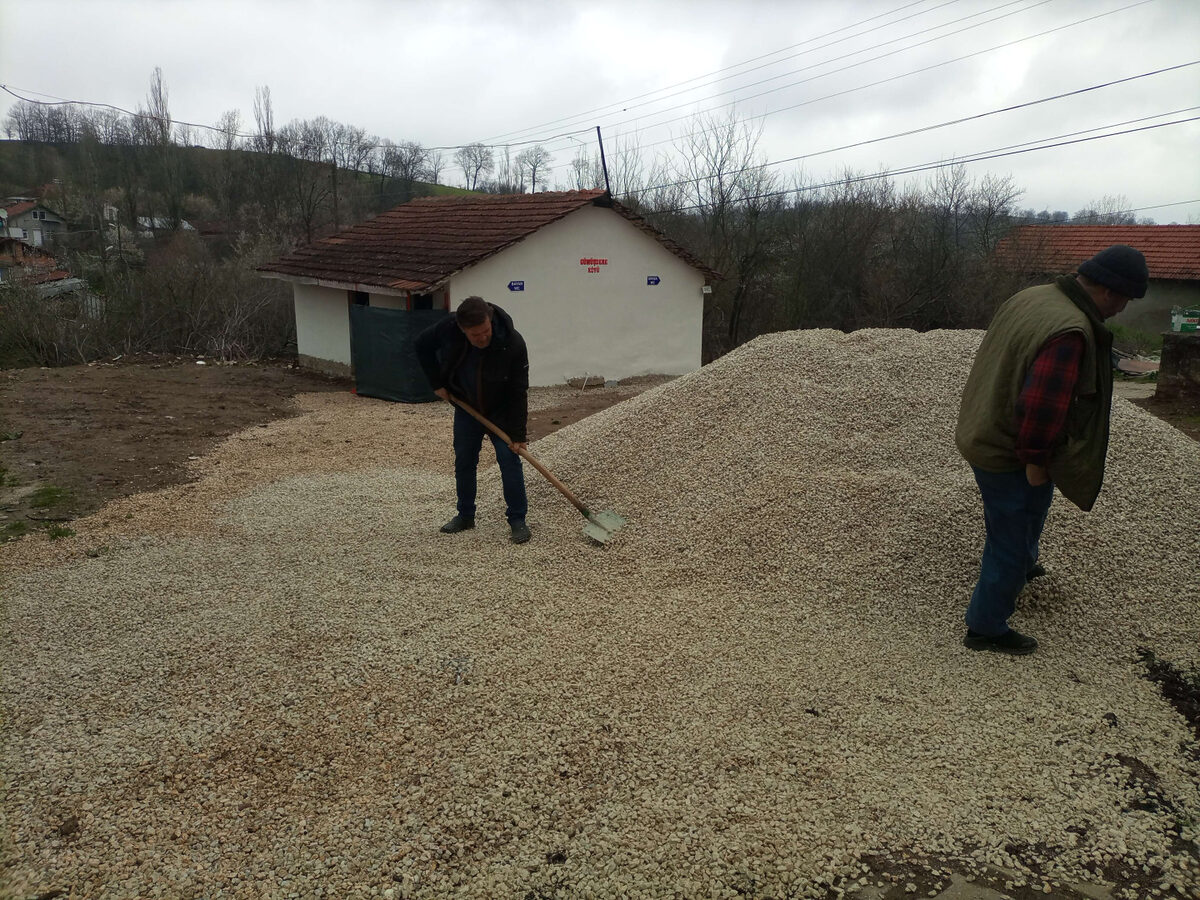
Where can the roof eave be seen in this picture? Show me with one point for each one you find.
(339, 285)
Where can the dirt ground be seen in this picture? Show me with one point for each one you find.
(74, 438)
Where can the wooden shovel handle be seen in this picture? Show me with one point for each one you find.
(494, 429)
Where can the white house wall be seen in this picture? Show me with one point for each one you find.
(322, 328)
(599, 319)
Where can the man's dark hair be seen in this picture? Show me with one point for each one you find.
(472, 311)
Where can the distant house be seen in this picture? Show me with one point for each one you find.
(30, 221)
(29, 266)
(1172, 254)
(24, 263)
(161, 223)
(593, 288)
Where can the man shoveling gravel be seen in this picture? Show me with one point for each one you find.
(480, 356)
(1035, 413)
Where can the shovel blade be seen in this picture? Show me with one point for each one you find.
(602, 525)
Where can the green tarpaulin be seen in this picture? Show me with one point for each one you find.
(381, 348)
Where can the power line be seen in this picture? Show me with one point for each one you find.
(959, 121)
(623, 103)
(870, 84)
(854, 53)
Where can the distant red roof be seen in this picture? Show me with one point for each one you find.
(1172, 251)
(20, 208)
(419, 245)
(34, 264)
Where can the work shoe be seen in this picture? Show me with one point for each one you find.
(1011, 642)
(520, 531)
(1036, 572)
(457, 524)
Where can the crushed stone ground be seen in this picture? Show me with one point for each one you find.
(280, 680)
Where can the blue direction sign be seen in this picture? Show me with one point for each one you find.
(652, 279)
(516, 285)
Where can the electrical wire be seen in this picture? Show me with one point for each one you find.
(849, 55)
(860, 87)
(959, 121)
(624, 103)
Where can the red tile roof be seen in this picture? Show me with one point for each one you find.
(419, 245)
(33, 264)
(19, 208)
(1172, 251)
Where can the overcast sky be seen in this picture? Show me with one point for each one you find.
(825, 74)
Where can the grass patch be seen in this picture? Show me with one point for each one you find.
(59, 531)
(48, 495)
(14, 530)
(1134, 340)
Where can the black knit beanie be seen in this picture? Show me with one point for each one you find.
(1120, 268)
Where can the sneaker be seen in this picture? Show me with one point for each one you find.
(1011, 642)
(520, 532)
(457, 524)
(1036, 572)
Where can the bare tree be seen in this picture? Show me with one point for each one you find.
(348, 150)
(264, 121)
(991, 211)
(435, 163)
(510, 178)
(159, 113)
(735, 197)
(304, 148)
(169, 169)
(268, 184)
(1106, 211)
(474, 160)
(405, 162)
(585, 171)
(534, 160)
(228, 128)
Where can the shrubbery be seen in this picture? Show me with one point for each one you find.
(183, 300)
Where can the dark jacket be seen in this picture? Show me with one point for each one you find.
(503, 375)
(987, 423)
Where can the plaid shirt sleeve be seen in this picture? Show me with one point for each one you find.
(1046, 397)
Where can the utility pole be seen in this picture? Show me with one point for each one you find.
(603, 164)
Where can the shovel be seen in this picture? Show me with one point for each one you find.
(600, 525)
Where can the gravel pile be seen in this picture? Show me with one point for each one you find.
(757, 689)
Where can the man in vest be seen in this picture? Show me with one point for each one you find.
(1035, 414)
(481, 357)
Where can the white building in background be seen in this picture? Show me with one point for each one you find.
(592, 287)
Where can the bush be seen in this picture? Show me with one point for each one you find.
(35, 331)
(182, 301)
(1134, 340)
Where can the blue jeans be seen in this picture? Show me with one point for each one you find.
(468, 439)
(1014, 513)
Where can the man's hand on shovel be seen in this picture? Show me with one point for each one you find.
(514, 446)
(600, 526)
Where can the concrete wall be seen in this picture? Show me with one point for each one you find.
(1152, 313)
(595, 319)
(322, 325)
(1179, 373)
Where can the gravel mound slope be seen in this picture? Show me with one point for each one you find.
(755, 687)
